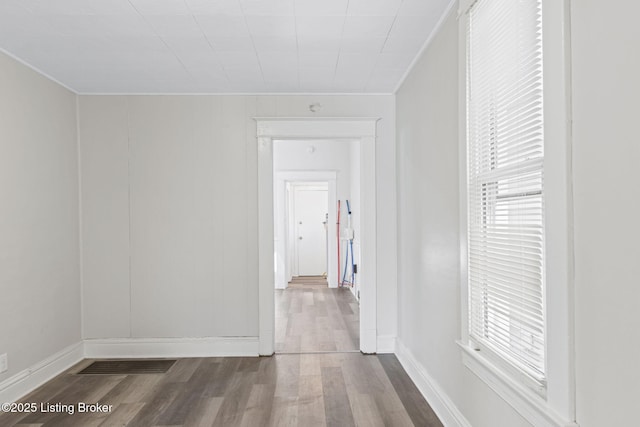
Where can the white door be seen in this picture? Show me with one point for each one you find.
(310, 207)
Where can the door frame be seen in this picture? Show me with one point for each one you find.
(282, 178)
(278, 128)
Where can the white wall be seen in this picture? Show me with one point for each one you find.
(291, 155)
(169, 221)
(606, 66)
(105, 212)
(605, 179)
(428, 232)
(39, 247)
(170, 234)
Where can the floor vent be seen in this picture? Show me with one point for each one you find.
(127, 367)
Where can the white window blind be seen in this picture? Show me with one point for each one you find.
(505, 184)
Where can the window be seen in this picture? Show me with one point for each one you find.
(516, 204)
(505, 158)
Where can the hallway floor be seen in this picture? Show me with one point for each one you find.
(311, 317)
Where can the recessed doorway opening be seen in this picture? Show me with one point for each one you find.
(316, 310)
(358, 134)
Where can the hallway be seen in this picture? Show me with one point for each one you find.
(311, 317)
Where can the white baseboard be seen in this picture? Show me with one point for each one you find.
(171, 347)
(440, 402)
(22, 383)
(386, 344)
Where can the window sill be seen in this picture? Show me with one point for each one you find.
(526, 402)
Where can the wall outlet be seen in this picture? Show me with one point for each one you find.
(4, 363)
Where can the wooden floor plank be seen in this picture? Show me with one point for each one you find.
(336, 400)
(392, 411)
(150, 412)
(258, 409)
(86, 389)
(316, 388)
(205, 412)
(360, 375)
(183, 370)
(284, 412)
(309, 364)
(132, 389)
(364, 409)
(311, 411)
(414, 403)
(122, 414)
(328, 389)
(236, 397)
(316, 319)
(287, 375)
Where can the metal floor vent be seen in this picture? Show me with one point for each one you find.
(128, 367)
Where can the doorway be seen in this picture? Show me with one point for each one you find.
(308, 221)
(284, 226)
(310, 315)
(360, 129)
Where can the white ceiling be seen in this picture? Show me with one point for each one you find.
(220, 46)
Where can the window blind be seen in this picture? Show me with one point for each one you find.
(505, 153)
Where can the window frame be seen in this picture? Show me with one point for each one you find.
(555, 407)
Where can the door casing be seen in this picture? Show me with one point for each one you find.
(362, 129)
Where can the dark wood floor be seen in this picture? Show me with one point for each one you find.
(327, 382)
(311, 317)
(328, 389)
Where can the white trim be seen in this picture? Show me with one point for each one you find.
(314, 128)
(462, 177)
(266, 276)
(440, 402)
(464, 7)
(362, 128)
(427, 42)
(367, 270)
(368, 338)
(76, 92)
(527, 403)
(561, 388)
(22, 383)
(171, 347)
(556, 39)
(386, 344)
(38, 71)
(80, 218)
(277, 119)
(234, 93)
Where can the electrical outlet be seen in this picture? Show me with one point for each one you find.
(4, 363)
